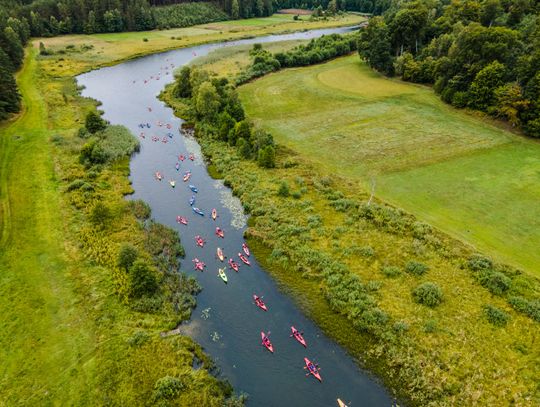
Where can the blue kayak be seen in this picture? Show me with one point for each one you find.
(198, 211)
(193, 188)
(192, 200)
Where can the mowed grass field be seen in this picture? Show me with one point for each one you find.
(463, 173)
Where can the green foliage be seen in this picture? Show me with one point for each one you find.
(207, 102)
(100, 215)
(9, 95)
(140, 209)
(94, 123)
(167, 388)
(267, 157)
(494, 281)
(142, 280)
(496, 316)
(391, 271)
(187, 14)
(530, 308)
(374, 46)
(416, 268)
(428, 294)
(117, 142)
(283, 190)
(127, 256)
(182, 87)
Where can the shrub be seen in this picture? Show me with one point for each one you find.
(283, 189)
(478, 262)
(145, 39)
(494, 281)
(496, 316)
(430, 326)
(296, 195)
(117, 141)
(367, 251)
(428, 294)
(127, 256)
(267, 157)
(142, 280)
(100, 214)
(391, 271)
(168, 387)
(94, 122)
(140, 209)
(400, 327)
(139, 338)
(416, 268)
(527, 307)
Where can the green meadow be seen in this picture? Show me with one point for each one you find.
(461, 172)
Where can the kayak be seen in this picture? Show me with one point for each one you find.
(187, 175)
(244, 259)
(245, 249)
(199, 265)
(198, 211)
(214, 214)
(298, 336)
(222, 274)
(259, 302)
(182, 220)
(177, 166)
(181, 157)
(159, 176)
(233, 265)
(173, 183)
(191, 157)
(192, 200)
(312, 369)
(199, 240)
(341, 403)
(220, 233)
(266, 342)
(219, 253)
(193, 188)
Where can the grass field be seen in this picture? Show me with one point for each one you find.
(462, 173)
(105, 49)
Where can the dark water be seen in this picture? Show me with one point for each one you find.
(226, 322)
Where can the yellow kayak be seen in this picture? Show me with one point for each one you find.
(222, 274)
(341, 403)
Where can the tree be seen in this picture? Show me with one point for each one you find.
(241, 129)
(207, 102)
(374, 46)
(13, 47)
(142, 280)
(408, 28)
(481, 94)
(183, 88)
(225, 124)
(94, 122)
(244, 147)
(9, 95)
(235, 10)
(112, 20)
(510, 102)
(267, 157)
(491, 9)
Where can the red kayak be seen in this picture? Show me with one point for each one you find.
(182, 220)
(266, 342)
(199, 265)
(199, 240)
(259, 302)
(181, 157)
(245, 249)
(298, 336)
(220, 232)
(191, 157)
(233, 265)
(244, 259)
(312, 369)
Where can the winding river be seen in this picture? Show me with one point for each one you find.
(226, 322)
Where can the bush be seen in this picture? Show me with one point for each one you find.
(100, 214)
(530, 308)
(416, 268)
(478, 262)
(283, 189)
(117, 141)
(94, 122)
(391, 271)
(127, 256)
(140, 209)
(428, 294)
(496, 316)
(142, 280)
(494, 281)
(168, 387)
(145, 39)
(367, 251)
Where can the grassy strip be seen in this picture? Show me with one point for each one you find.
(68, 340)
(462, 173)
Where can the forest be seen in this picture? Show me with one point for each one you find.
(482, 55)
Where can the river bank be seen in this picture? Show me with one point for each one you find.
(322, 240)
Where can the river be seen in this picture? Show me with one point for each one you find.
(226, 322)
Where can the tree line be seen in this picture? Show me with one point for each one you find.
(479, 54)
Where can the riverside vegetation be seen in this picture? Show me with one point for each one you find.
(440, 323)
(88, 288)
